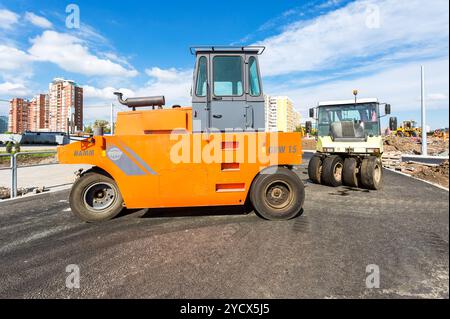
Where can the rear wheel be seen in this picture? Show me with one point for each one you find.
(371, 173)
(350, 172)
(277, 196)
(95, 197)
(332, 167)
(315, 169)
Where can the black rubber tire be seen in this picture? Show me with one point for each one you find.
(315, 169)
(329, 166)
(372, 173)
(77, 202)
(350, 172)
(268, 183)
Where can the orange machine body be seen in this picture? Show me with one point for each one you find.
(157, 160)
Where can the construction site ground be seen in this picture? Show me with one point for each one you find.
(395, 147)
(327, 252)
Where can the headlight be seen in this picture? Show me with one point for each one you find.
(372, 150)
(328, 149)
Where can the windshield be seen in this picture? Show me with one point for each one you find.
(367, 114)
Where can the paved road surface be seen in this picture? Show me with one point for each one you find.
(209, 253)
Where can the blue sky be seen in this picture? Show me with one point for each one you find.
(316, 50)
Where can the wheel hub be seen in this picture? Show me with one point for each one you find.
(338, 172)
(99, 196)
(278, 194)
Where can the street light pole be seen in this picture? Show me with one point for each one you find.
(424, 130)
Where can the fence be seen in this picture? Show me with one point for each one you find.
(14, 167)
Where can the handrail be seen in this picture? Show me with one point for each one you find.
(13, 167)
(213, 48)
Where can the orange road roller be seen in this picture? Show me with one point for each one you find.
(214, 153)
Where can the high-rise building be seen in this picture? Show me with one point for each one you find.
(3, 124)
(38, 113)
(18, 115)
(65, 104)
(280, 114)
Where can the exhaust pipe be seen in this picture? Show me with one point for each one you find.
(135, 102)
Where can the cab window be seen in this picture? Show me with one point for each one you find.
(201, 77)
(227, 76)
(255, 89)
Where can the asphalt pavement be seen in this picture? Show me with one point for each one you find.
(327, 252)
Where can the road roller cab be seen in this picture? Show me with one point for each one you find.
(213, 153)
(349, 143)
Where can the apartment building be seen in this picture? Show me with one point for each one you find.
(65, 104)
(18, 115)
(38, 115)
(280, 114)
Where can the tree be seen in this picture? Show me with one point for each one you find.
(17, 147)
(103, 124)
(88, 129)
(9, 147)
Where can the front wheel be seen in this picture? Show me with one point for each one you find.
(350, 172)
(95, 197)
(332, 170)
(371, 173)
(277, 196)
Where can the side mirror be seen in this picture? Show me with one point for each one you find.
(393, 123)
(308, 127)
(311, 112)
(387, 109)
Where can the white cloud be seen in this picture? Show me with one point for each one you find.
(38, 20)
(103, 94)
(399, 86)
(352, 33)
(8, 19)
(71, 54)
(13, 89)
(12, 58)
(174, 84)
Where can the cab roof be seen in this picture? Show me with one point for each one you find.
(226, 48)
(346, 102)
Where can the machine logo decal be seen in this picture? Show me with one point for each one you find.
(137, 158)
(114, 154)
(83, 153)
(123, 161)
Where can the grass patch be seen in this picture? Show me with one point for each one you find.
(27, 158)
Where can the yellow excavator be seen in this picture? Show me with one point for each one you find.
(408, 129)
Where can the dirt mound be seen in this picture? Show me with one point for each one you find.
(436, 174)
(406, 145)
(308, 143)
(413, 145)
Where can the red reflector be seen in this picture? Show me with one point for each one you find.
(231, 187)
(229, 166)
(230, 145)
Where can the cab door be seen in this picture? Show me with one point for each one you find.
(227, 93)
(228, 101)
